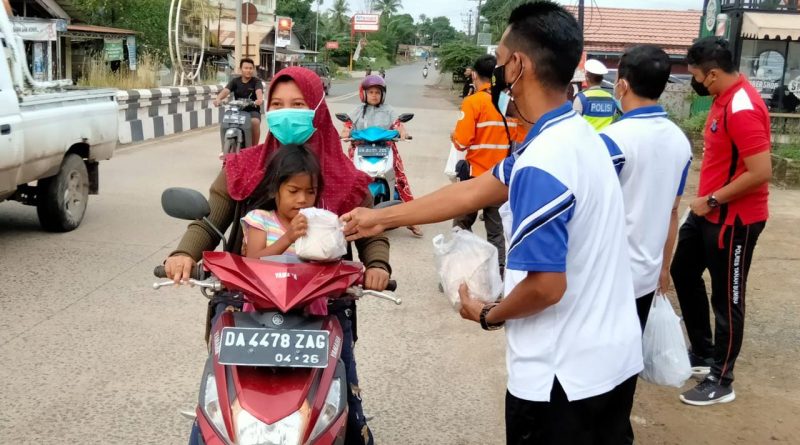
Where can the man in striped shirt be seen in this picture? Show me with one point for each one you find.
(486, 137)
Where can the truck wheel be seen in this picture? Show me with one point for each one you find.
(63, 197)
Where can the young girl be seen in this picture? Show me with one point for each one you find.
(292, 182)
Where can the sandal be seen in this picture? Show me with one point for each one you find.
(416, 231)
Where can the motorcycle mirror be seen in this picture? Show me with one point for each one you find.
(183, 203)
(343, 117)
(405, 117)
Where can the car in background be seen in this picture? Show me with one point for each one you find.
(323, 72)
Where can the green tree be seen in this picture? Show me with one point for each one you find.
(496, 13)
(340, 19)
(457, 55)
(147, 17)
(388, 7)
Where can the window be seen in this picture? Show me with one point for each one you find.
(764, 63)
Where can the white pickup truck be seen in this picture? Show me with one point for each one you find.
(51, 139)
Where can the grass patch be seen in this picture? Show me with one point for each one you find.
(789, 151)
(694, 124)
(97, 73)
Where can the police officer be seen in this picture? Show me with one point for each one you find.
(595, 104)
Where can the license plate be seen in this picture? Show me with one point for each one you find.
(368, 151)
(234, 119)
(274, 347)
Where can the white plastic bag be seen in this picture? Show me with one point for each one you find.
(324, 240)
(452, 160)
(467, 258)
(666, 361)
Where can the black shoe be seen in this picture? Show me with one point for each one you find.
(701, 367)
(709, 392)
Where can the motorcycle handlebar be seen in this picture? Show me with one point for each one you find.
(392, 286)
(198, 273)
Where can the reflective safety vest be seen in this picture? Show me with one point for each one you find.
(599, 107)
(481, 133)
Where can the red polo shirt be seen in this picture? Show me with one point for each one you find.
(738, 126)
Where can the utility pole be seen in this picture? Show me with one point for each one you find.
(469, 27)
(316, 31)
(238, 51)
(478, 21)
(580, 14)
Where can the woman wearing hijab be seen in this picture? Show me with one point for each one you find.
(297, 114)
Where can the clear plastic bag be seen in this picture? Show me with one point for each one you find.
(324, 240)
(467, 258)
(452, 160)
(666, 360)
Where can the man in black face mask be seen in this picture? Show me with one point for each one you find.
(573, 350)
(726, 217)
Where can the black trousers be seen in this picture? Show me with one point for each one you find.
(726, 251)
(494, 230)
(598, 420)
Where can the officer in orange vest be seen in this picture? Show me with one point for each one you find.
(486, 138)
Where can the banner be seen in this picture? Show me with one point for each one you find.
(366, 22)
(113, 50)
(332, 45)
(35, 30)
(132, 52)
(283, 36)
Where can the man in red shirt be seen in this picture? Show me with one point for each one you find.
(726, 218)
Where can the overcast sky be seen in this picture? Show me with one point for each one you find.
(456, 10)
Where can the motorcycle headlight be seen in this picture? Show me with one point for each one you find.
(211, 406)
(287, 431)
(334, 405)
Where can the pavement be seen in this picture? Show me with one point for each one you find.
(91, 354)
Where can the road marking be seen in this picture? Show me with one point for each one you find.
(340, 98)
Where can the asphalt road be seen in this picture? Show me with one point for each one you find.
(91, 354)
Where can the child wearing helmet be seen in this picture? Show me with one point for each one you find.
(376, 113)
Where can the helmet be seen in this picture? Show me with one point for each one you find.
(595, 66)
(372, 80)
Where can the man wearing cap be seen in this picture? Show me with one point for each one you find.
(595, 104)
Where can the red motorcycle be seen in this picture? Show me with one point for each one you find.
(273, 375)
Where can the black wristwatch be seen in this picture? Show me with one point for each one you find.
(485, 324)
(712, 202)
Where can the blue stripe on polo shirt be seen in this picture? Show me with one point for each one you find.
(647, 112)
(539, 240)
(617, 157)
(683, 177)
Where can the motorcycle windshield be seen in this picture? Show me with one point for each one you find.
(283, 282)
(374, 134)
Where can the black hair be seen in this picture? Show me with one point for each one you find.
(594, 79)
(551, 37)
(484, 66)
(246, 60)
(646, 68)
(711, 52)
(287, 161)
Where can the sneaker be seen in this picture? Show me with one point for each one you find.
(708, 392)
(701, 367)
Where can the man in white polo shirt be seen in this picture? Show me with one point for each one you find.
(652, 157)
(574, 342)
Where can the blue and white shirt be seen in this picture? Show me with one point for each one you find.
(652, 157)
(567, 216)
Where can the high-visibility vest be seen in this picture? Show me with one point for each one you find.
(482, 134)
(599, 107)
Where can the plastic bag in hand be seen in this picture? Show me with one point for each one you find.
(324, 239)
(666, 361)
(467, 258)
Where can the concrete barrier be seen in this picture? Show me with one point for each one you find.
(156, 112)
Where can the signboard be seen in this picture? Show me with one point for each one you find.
(723, 26)
(112, 48)
(132, 52)
(332, 45)
(39, 64)
(284, 35)
(708, 24)
(484, 38)
(794, 86)
(366, 22)
(35, 30)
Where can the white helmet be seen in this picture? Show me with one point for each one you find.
(595, 66)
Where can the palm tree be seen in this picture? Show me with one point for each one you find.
(339, 15)
(388, 7)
